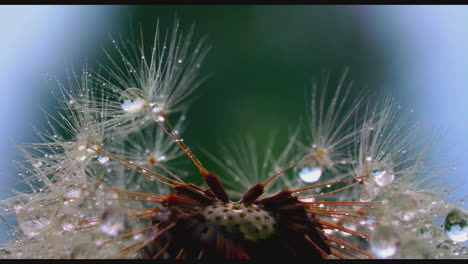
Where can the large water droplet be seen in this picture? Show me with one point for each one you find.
(103, 159)
(132, 100)
(72, 192)
(456, 225)
(383, 177)
(130, 106)
(68, 222)
(37, 164)
(114, 221)
(384, 242)
(35, 217)
(308, 169)
(18, 204)
(405, 206)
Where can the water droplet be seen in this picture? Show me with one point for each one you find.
(308, 169)
(156, 109)
(132, 100)
(383, 177)
(308, 200)
(114, 221)
(456, 225)
(91, 149)
(179, 61)
(130, 106)
(18, 204)
(34, 218)
(68, 222)
(72, 192)
(384, 242)
(404, 206)
(103, 159)
(37, 164)
(160, 118)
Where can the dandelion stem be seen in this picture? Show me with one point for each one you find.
(279, 173)
(178, 140)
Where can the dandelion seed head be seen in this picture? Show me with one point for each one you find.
(105, 179)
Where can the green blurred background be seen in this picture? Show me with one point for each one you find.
(262, 64)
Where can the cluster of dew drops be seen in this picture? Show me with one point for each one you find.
(385, 241)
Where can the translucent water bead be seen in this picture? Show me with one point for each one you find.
(114, 220)
(384, 242)
(404, 206)
(36, 217)
(132, 100)
(456, 225)
(383, 177)
(308, 169)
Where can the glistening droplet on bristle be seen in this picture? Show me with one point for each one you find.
(132, 100)
(384, 242)
(130, 106)
(72, 192)
(456, 225)
(68, 222)
(103, 159)
(405, 206)
(383, 177)
(308, 169)
(34, 218)
(114, 220)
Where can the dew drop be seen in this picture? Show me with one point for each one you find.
(456, 225)
(156, 109)
(383, 177)
(160, 118)
(179, 61)
(114, 221)
(103, 159)
(132, 100)
(404, 206)
(308, 169)
(18, 204)
(37, 164)
(384, 242)
(308, 200)
(68, 222)
(130, 106)
(72, 192)
(310, 174)
(35, 218)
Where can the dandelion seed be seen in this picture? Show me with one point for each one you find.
(105, 180)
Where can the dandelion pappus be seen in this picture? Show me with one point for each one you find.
(194, 222)
(110, 187)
